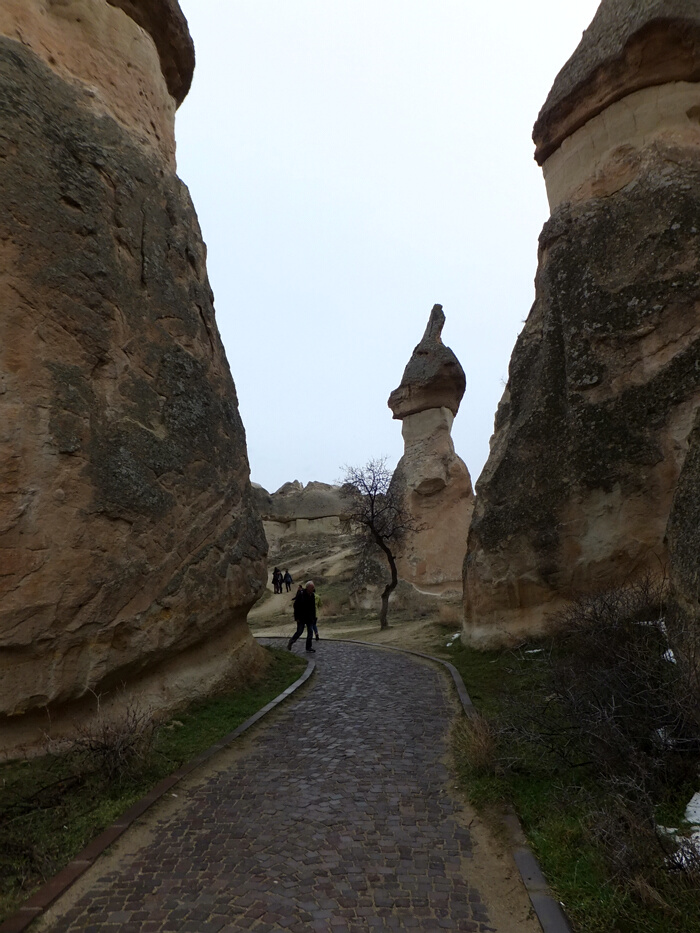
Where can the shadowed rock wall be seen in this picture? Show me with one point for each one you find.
(684, 532)
(591, 434)
(130, 549)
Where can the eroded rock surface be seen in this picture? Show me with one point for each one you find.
(130, 549)
(630, 45)
(684, 532)
(591, 434)
(434, 480)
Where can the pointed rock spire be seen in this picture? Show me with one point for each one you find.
(630, 45)
(433, 377)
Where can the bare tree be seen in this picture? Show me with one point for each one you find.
(377, 511)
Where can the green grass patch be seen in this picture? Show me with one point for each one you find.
(52, 807)
(555, 801)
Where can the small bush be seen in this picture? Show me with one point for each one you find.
(115, 746)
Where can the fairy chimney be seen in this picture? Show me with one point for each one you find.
(433, 479)
(131, 550)
(592, 431)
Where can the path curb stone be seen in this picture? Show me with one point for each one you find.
(59, 884)
(548, 910)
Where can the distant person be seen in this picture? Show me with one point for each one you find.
(276, 580)
(288, 580)
(304, 615)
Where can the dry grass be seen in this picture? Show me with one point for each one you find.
(476, 740)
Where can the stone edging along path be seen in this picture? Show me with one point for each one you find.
(59, 884)
(549, 912)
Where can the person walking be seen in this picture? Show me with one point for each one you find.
(288, 580)
(304, 615)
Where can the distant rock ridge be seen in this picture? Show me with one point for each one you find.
(433, 480)
(317, 508)
(592, 432)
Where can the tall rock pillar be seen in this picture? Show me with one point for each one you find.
(433, 479)
(591, 434)
(130, 551)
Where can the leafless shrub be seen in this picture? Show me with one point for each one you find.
(625, 692)
(620, 706)
(626, 831)
(115, 745)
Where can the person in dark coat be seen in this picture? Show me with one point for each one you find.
(288, 580)
(304, 615)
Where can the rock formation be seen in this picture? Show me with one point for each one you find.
(683, 533)
(591, 433)
(295, 509)
(434, 480)
(130, 550)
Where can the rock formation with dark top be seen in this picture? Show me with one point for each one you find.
(130, 549)
(591, 434)
(434, 480)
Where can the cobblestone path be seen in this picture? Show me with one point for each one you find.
(337, 819)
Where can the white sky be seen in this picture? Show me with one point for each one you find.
(353, 162)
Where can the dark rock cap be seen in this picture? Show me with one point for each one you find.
(433, 377)
(630, 45)
(165, 22)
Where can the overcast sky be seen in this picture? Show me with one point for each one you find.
(354, 162)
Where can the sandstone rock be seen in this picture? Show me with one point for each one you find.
(434, 481)
(295, 509)
(167, 26)
(683, 532)
(433, 377)
(111, 60)
(591, 433)
(130, 547)
(630, 45)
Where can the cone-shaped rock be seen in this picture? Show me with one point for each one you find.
(130, 547)
(433, 479)
(433, 377)
(592, 431)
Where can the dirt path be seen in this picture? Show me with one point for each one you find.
(338, 817)
(277, 604)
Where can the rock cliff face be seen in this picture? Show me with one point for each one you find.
(435, 481)
(591, 434)
(130, 549)
(684, 532)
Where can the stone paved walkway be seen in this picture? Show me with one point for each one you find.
(337, 819)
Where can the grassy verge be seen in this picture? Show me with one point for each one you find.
(51, 807)
(555, 803)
